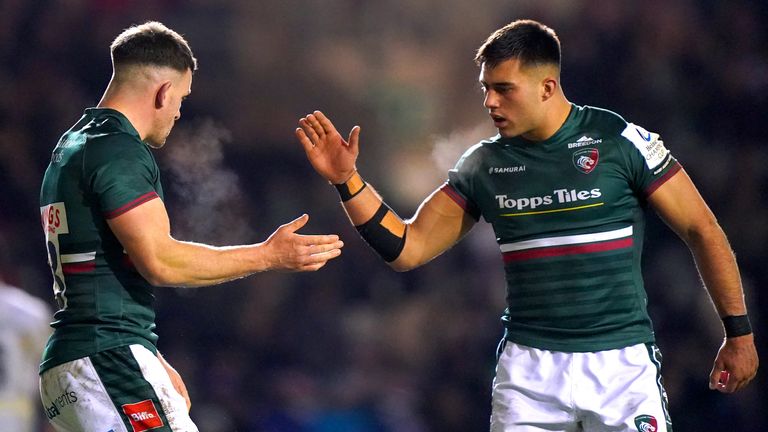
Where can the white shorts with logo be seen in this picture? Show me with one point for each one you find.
(614, 390)
(125, 389)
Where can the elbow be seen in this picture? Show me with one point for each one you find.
(156, 279)
(156, 274)
(410, 257)
(400, 268)
(698, 234)
(403, 263)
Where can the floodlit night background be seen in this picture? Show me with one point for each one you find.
(356, 346)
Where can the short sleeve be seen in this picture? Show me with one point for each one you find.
(650, 163)
(459, 186)
(121, 174)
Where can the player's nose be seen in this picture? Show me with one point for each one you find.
(491, 100)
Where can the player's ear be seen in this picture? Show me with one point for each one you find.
(162, 95)
(548, 88)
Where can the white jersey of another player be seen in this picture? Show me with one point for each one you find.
(24, 328)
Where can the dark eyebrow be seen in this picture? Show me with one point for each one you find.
(501, 85)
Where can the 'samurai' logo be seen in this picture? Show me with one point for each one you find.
(585, 160)
(646, 423)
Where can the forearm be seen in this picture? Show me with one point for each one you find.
(380, 227)
(189, 264)
(437, 225)
(717, 267)
(361, 208)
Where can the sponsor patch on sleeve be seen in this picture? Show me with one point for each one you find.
(143, 415)
(648, 143)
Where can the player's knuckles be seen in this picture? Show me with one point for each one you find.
(306, 260)
(315, 249)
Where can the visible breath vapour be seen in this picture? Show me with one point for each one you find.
(206, 200)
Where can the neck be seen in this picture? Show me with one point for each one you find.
(553, 120)
(128, 103)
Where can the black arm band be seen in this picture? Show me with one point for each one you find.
(350, 188)
(736, 325)
(375, 232)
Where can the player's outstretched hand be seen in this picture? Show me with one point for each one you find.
(735, 365)
(330, 155)
(289, 251)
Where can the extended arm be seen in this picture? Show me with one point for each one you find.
(681, 206)
(145, 233)
(437, 225)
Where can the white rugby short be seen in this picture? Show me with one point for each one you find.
(125, 389)
(614, 390)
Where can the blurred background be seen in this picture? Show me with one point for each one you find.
(356, 346)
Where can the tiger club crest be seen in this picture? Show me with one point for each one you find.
(646, 423)
(585, 160)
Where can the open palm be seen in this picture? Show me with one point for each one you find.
(330, 155)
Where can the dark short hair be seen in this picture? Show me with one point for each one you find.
(153, 44)
(530, 41)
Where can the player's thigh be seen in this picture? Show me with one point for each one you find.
(123, 389)
(627, 392)
(531, 391)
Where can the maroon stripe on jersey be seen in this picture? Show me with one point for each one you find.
(455, 196)
(663, 179)
(79, 267)
(135, 203)
(566, 250)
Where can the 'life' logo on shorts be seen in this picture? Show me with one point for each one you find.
(646, 423)
(143, 416)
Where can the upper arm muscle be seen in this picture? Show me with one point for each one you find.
(681, 206)
(437, 225)
(142, 231)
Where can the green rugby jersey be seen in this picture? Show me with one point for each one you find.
(568, 214)
(99, 169)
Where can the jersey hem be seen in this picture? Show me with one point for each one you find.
(585, 347)
(53, 361)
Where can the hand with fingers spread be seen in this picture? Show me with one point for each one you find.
(330, 155)
(735, 365)
(289, 251)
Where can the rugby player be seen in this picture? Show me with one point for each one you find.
(565, 188)
(108, 239)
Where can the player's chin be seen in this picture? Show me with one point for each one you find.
(508, 132)
(506, 128)
(156, 143)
